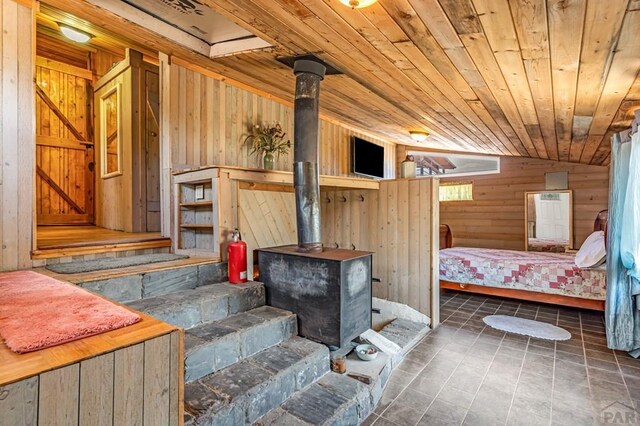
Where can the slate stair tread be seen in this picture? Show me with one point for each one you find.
(191, 307)
(335, 399)
(248, 389)
(215, 345)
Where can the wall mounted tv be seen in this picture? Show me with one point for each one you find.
(367, 159)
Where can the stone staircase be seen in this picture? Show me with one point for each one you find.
(245, 364)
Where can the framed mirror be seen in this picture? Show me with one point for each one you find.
(110, 133)
(548, 221)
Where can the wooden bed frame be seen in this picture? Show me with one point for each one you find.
(446, 240)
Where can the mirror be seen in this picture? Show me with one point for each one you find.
(110, 132)
(549, 221)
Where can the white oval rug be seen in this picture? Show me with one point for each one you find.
(527, 327)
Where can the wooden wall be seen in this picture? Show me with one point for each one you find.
(266, 218)
(210, 119)
(17, 129)
(395, 222)
(398, 223)
(139, 384)
(495, 217)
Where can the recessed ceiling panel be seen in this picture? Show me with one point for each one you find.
(193, 17)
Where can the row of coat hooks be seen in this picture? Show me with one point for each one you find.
(343, 199)
(336, 245)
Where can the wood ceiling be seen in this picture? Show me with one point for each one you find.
(543, 79)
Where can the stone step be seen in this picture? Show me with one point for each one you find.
(144, 281)
(213, 346)
(247, 390)
(335, 399)
(213, 302)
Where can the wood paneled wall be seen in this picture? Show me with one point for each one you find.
(396, 222)
(399, 224)
(495, 217)
(210, 120)
(266, 219)
(17, 134)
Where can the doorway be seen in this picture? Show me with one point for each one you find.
(70, 182)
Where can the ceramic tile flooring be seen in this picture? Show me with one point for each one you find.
(468, 373)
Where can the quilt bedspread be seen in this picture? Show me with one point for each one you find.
(554, 273)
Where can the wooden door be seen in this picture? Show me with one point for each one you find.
(64, 147)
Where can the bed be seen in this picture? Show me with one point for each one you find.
(537, 276)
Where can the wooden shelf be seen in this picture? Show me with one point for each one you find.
(197, 204)
(196, 226)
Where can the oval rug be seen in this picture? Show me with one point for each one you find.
(527, 327)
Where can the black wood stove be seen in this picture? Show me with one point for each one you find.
(330, 291)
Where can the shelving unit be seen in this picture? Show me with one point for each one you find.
(196, 219)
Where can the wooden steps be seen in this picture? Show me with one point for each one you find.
(99, 247)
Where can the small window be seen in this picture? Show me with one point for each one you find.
(456, 191)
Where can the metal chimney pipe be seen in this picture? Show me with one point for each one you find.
(306, 176)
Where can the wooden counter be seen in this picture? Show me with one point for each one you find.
(132, 375)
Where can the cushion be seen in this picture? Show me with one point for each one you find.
(593, 252)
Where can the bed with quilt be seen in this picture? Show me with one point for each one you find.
(527, 275)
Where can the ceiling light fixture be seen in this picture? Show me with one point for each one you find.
(419, 136)
(358, 4)
(74, 34)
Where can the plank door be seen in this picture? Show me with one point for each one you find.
(152, 150)
(64, 147)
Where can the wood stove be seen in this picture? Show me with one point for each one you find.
(329, 291)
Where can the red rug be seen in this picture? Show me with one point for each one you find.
(37, 312)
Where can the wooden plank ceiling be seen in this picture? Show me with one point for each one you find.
(537, 78)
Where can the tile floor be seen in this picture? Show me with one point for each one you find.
(468, 373)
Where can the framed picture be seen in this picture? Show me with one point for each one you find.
(199, 192)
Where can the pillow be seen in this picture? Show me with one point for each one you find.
(593, 252)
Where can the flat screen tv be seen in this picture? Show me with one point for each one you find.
(367, 159)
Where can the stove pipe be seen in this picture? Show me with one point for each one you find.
(306, 176)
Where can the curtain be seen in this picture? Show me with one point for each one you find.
(623, 288)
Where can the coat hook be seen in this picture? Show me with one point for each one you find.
(361, 197)
(336, 245)
(353, 247)
(343, 199)
(328, 200)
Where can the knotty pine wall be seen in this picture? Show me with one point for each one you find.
(495, 217)
(210, 120)
(17, 134)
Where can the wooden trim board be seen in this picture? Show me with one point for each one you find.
(279, 177)
(48, 253)
(532, 296)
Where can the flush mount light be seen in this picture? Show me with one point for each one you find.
(419, 136)
(358, 4)
(74, 34)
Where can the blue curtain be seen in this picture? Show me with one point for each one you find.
(621, 310)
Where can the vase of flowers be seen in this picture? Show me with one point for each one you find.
(269, 142)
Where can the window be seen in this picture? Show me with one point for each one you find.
(441, 164)
(456, 191)
(110, 139)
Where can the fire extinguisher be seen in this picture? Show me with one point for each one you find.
(237, 257)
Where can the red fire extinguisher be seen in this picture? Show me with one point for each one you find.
(237, 251)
